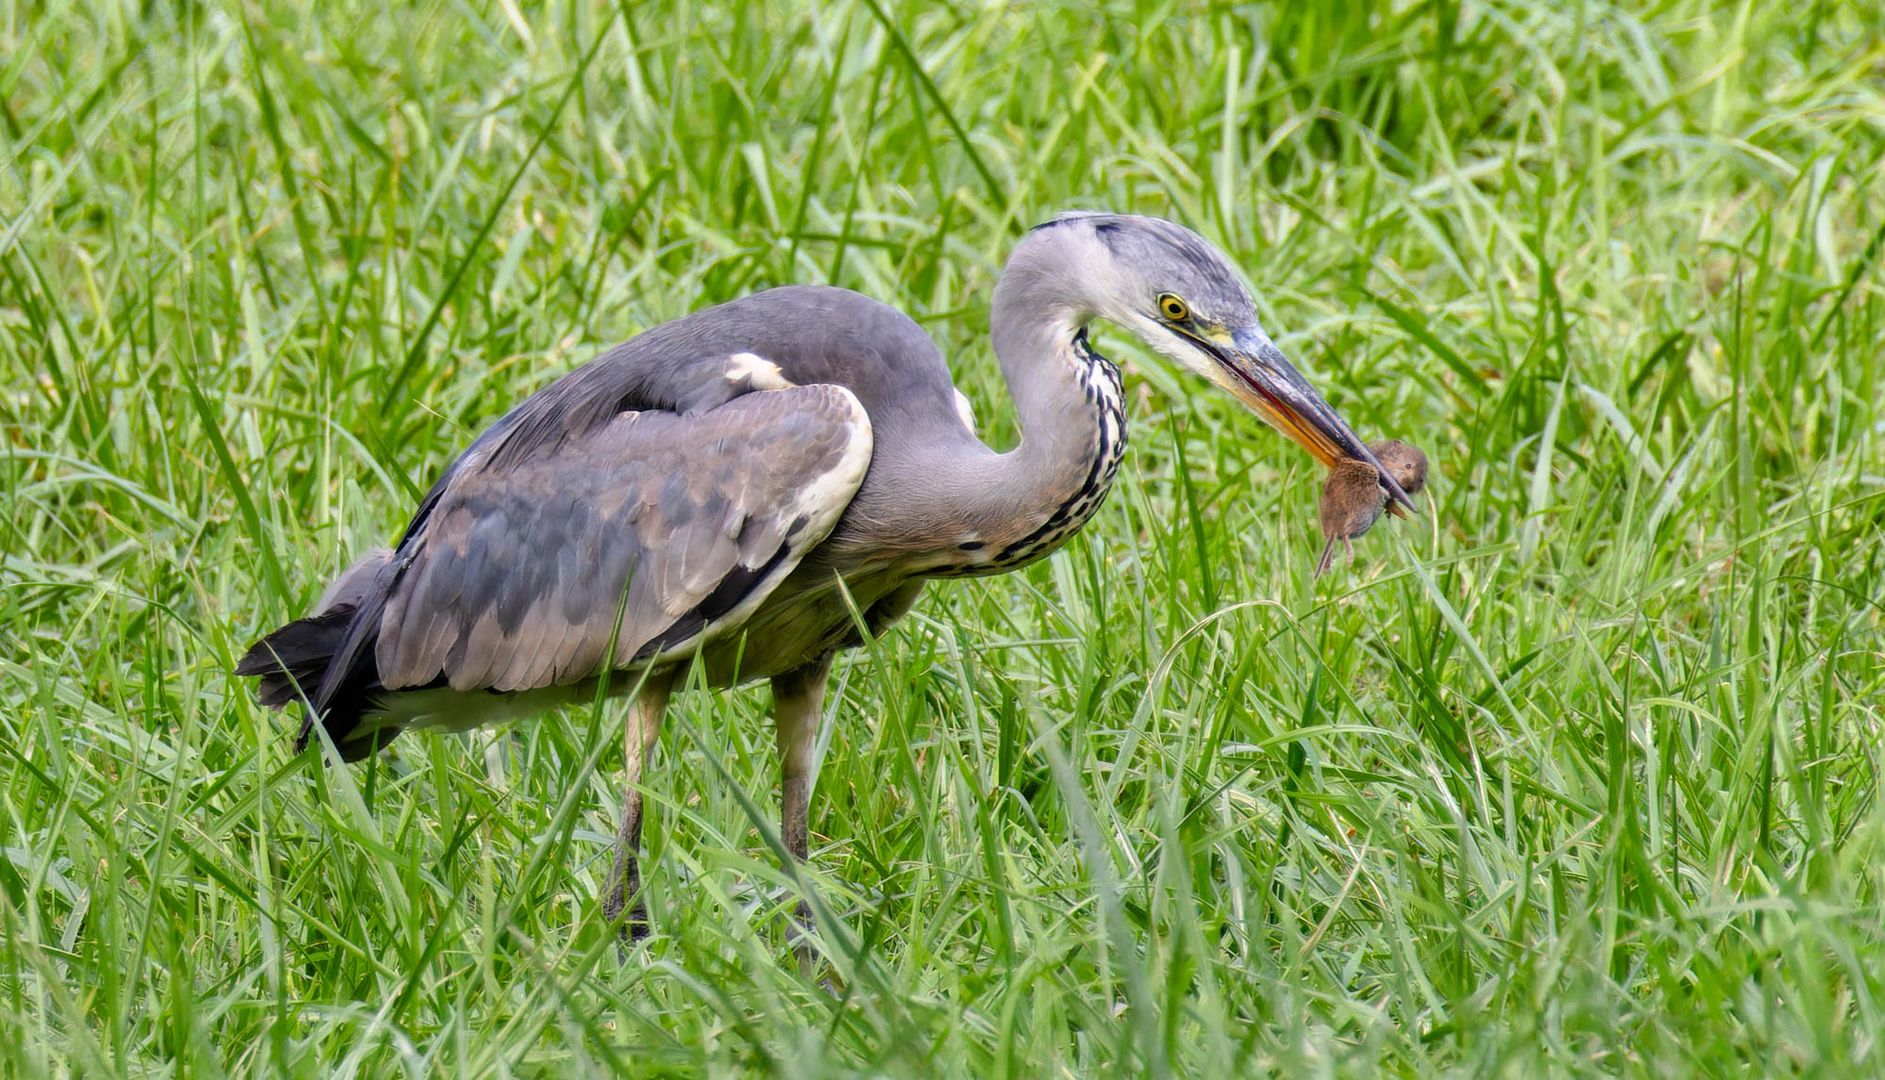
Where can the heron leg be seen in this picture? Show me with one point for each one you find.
(638, 744)
(798, 699)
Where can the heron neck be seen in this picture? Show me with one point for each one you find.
(1068, 403)
(1047, 365)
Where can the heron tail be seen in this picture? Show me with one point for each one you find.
(292, 662)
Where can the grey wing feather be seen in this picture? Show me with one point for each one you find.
(681, 523)
(352, 586)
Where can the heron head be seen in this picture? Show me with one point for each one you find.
(1186, 301)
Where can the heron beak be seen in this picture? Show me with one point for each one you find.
(1257, 374)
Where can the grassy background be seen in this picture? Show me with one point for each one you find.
(1577, 774)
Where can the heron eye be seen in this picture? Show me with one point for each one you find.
(1173, 308)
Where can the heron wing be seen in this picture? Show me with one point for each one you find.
(650, 530)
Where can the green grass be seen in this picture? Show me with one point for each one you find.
(1576, 774)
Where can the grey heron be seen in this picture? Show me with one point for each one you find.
(1352, 498)
(719, 489)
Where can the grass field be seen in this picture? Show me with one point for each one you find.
(1576, 774)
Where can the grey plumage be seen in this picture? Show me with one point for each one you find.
(529, 558)
(732, 482)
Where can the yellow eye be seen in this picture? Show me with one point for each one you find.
(1173, 308)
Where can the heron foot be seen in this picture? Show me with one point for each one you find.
(635, 927)
(808, 954)
(800, 935)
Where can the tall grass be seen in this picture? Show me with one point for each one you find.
(1578, 773)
